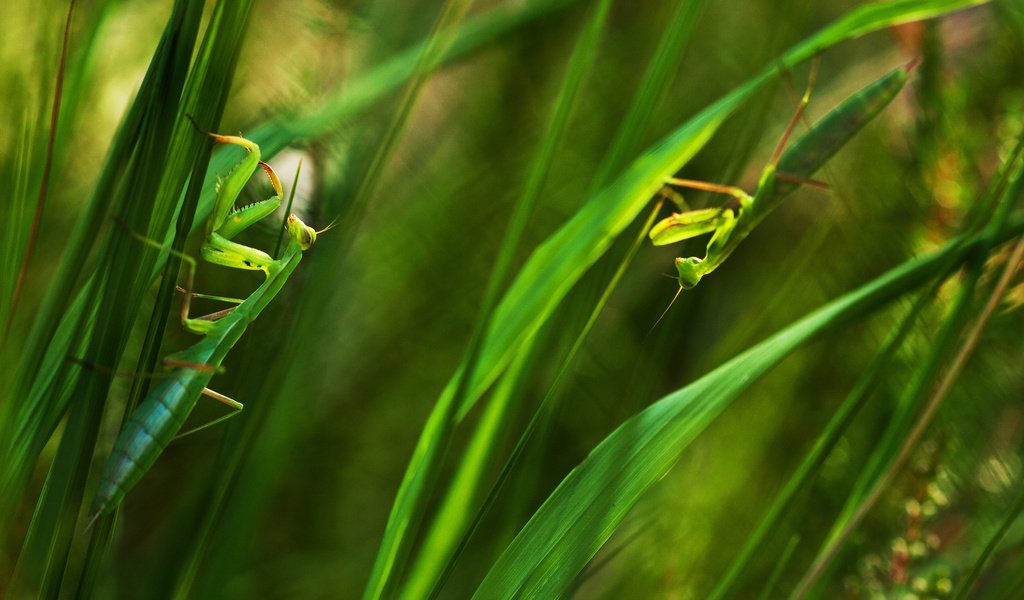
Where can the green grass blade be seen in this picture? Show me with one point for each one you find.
(912, 409)
(45, 553)
(203, 99)
(37, 417)
(370, 87)
(411, 501)
(823, 446)
(395, 72)
(664, 64)
(581, 514)
(559, 262)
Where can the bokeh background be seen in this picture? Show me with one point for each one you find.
(340, 374)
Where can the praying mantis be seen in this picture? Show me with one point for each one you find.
(788, 168)
(153, 425)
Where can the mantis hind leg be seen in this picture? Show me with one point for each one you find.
(797, 115)
(219, 397)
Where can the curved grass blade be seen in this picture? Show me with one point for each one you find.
(556, 265)
(917, 405)
(823, 446)
(203, 99)
(45, 552)
(583, 512)
(559, 262)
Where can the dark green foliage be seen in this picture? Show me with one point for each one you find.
(787, 428)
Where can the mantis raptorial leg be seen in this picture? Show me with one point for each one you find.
(790, 165)
(161, 414)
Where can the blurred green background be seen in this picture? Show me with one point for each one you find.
(340, 374)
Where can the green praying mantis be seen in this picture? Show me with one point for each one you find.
(156, 421)
(788, 168)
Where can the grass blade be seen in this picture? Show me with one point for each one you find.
(581, 514)
(412, 498)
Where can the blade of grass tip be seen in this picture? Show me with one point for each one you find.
(580, 515)
(37, 217)
(287, 210)
(664, 64)
(905, 430)
(579, 65)
(823, 446)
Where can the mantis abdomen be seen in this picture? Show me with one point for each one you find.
(146, 433)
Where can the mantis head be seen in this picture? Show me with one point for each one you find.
(304, 234)
(689, 272)
(300, 232)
